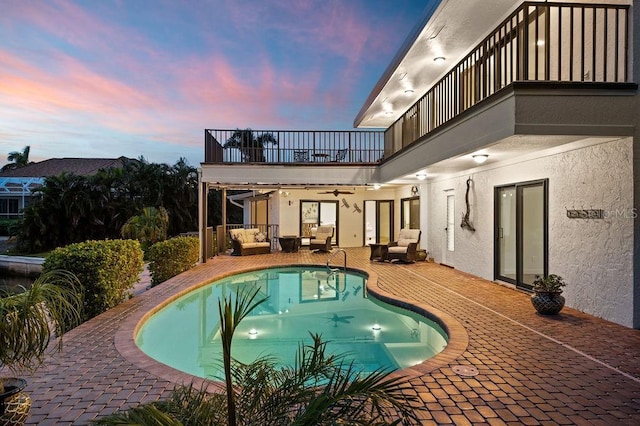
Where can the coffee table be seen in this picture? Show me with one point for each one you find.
(290, 243)
(379, 251)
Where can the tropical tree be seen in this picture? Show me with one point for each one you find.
(321, 389)
(149, 227)
(251, 147)
(17, 159)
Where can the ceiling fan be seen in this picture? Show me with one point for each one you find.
(335, 192)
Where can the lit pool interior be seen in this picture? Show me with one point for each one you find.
(185, 334)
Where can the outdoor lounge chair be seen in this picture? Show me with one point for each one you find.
(405, 248)
(322, 240)
(301, 156)
(341, 154)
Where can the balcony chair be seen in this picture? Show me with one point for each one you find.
(321, 241)
(301, 156)
(404, 250)
(341, 154)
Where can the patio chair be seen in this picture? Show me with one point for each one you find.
(404, 250)
(322, 239)
(341, 154)
(301, 156)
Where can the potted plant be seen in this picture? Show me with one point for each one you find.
(547, 297)
(29, 321)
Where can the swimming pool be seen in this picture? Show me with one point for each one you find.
(185, 333)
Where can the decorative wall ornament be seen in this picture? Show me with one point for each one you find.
(345, 203)
(465, 216)
(414, 190)
(356, 208)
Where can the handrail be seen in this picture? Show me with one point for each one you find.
(334, 255)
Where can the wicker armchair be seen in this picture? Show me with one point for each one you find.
(322, 240)
(405, 248)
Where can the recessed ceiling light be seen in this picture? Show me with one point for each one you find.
(421, 176)
(480, 158)
(439, 59)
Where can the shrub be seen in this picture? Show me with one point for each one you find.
(172, 257)
(107, 269)
(9, 227)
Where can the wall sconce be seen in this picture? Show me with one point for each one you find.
(376, 186)
(421, 176)
(480, 158)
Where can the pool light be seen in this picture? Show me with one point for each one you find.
(376, 327)
(253, 332)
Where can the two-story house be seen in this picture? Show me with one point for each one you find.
(508, 140)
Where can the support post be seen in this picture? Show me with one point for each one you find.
(203, 191)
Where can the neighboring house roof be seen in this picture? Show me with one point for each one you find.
(55, 166)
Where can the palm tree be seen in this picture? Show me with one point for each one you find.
(149, 227)
(251, 147)
(17, 159)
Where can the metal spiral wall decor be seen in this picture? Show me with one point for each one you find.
(465, 216)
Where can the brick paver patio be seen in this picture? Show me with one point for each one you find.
(531, 369)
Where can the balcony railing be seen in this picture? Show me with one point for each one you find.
(553, 42)
(288, 146)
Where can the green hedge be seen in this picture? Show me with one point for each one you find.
(172, 257)
(107, 269)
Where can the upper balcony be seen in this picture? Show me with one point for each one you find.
(300, 147)
(561, 45)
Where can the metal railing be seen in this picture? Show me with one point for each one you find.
(552, 42)
(293, 146)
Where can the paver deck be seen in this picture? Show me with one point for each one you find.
(568, 369)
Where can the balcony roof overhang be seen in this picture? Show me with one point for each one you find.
(525, 119)
(448, 29)
(274, 176)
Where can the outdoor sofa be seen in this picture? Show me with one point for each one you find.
(249, 241)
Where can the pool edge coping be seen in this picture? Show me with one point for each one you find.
(158, 297)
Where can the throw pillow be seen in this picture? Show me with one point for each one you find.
(240, 238)
(260, 237)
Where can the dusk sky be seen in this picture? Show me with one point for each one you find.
(105, 78)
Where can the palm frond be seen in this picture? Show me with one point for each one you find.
(29, 320)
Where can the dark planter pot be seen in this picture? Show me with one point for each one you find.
(547, 302)
(14, 404)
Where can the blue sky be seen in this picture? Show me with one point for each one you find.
(105, 78)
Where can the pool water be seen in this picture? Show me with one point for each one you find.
(185, 334)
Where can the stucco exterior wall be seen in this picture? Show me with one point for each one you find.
(594, 256)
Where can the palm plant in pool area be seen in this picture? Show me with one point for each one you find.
(28, 322)
(320, 389)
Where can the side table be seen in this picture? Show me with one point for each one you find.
(379, 251)
(290, 243)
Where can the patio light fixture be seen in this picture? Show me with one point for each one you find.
(421, 176)
(439, 59)
(480, 158)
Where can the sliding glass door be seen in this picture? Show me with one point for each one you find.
(318, 213)
(521, 228)
(378, 221)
